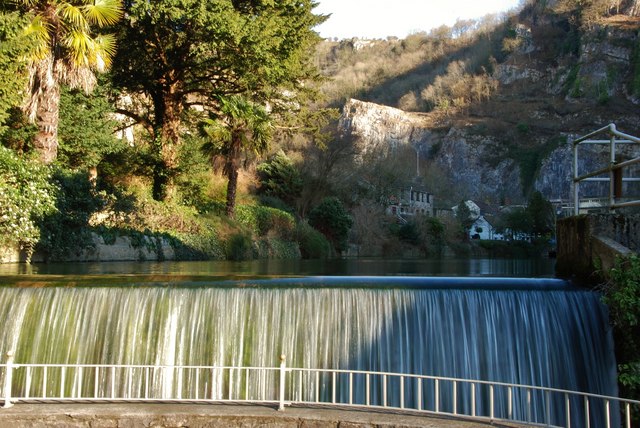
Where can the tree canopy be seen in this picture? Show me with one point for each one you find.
(13, 75)
(187, 53)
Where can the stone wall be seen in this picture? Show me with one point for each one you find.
(121, 249)
(588, 245)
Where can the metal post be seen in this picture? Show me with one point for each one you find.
(283, 370)
(8, 380)
(576, 184)
(612, 172)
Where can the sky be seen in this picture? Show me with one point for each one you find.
(378, 19)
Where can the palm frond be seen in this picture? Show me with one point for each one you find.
(104, 50)
(38, 31)
(73, 15)
(103, 12)
(81, 48)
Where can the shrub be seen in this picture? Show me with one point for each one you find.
(280, 178)
(622, 295)
(263, 220)
(313, 244)
(331, 218)
(26, 198)
(67, 229)
(239, 247)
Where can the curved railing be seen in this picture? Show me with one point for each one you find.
(283, 386)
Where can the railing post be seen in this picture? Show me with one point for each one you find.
(576, 184)
(283, 370)
(8, 380)
(612, 172)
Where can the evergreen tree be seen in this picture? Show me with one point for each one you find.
(182, 53)
(280, 178)
(541, 214)
(331, 218)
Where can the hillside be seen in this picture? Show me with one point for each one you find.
(496, 96)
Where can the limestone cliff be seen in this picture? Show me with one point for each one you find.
(519, 139)
(475, 160)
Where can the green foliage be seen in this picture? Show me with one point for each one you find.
(622, 295)
(313, 244)
(523, 128)
(280, 178)
(18, 133)
(573, 83)
(464, 216)
(264, 221)
(27, 196)
(193, 175)
(13, 76)
(406, 232)
(530, 159)
(239, 247)
(204, 245)
(275, 248)
(331, 218)
(85, 132)
(66, 231)
(224, 49)
(241, 126)
(541, 214)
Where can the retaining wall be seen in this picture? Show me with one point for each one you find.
(588, 245)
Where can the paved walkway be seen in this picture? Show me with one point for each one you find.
(144, 415)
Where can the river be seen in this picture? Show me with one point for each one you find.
(520, 268)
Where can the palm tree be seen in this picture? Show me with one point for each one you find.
(66, 51)
(241, 125)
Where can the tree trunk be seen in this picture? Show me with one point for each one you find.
(231, 170)
(232, 187)
(45, 94)
(169, 108)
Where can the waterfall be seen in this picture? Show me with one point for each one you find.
(523, 332)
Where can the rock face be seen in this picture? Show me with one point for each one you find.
(477, 163)
(381, 128)
(469, 161)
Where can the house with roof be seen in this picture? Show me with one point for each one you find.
(409, 202)
(481, 228)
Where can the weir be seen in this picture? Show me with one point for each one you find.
(534, 332)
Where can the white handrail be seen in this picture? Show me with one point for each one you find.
(282, 386)
(614, 168)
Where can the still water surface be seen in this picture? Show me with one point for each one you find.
(522, 268)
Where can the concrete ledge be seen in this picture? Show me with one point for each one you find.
(606, 250)
(176, 415)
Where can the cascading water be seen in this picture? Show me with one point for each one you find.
(520, 331)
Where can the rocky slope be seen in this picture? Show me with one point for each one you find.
(519, 139)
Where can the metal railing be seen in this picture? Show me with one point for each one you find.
(283, 386)
(613, 171)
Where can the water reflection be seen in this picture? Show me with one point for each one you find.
(541, 267)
